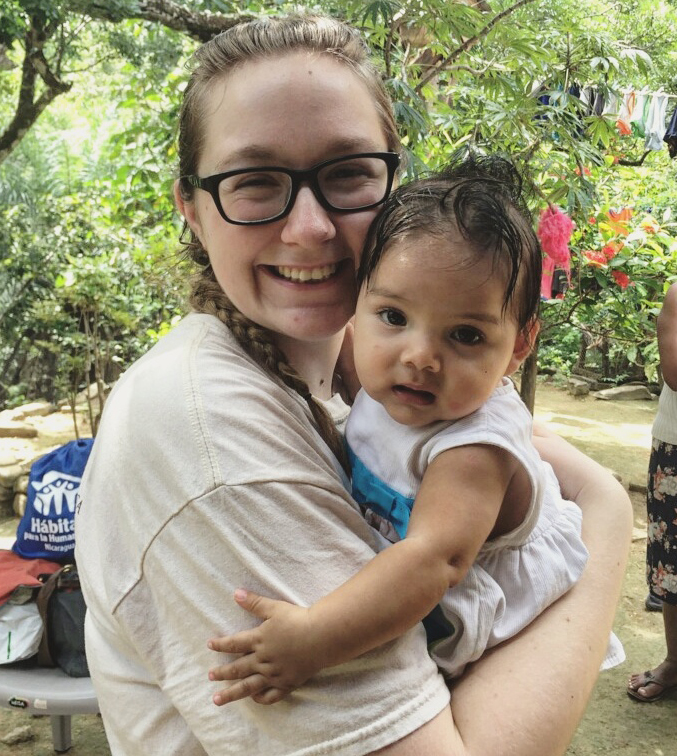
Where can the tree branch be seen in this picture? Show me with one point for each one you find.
(442, 65)
(29, 108)
(199, 25)
(624, 161)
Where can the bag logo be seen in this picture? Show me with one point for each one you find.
(55, 488)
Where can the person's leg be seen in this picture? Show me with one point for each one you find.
(661, 567)
(652, 684)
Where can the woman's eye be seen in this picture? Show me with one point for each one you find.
(356, 169)
(466, 335)
(392, 317)
(253, 185)
(259, 180)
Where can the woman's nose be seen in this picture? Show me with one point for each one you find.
(308, 222)
(421, 354)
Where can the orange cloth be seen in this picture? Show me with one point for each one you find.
(16, 571)
(623, 122)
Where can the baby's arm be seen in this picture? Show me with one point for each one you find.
(454, 513)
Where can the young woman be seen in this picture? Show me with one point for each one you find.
(213, 466)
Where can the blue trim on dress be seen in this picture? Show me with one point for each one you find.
(370, 491)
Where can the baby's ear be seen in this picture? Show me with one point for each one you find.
(524, 343)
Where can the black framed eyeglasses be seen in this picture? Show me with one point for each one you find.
(251, 196)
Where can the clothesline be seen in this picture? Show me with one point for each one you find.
(641, 91)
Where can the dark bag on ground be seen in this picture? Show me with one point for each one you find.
(62, 608)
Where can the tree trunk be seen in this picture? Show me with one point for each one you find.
(582, 352)
(604, 352)
(528, 380)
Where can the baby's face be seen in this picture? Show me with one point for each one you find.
(431, 339)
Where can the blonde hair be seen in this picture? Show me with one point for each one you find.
(215, 60)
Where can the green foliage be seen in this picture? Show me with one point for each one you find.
(75, 288)
(559, 347)
(624, 260)
(88, 277)
(88, 271)
(459, 81)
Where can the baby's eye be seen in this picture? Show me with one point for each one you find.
(392, 317)
(467, 335)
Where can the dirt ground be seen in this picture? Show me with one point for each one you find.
(617, 434)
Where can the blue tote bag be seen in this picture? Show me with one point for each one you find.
(47, 528)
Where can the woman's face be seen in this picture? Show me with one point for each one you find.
(296, 275)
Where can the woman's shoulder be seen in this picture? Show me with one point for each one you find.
(199, 352)
(197, 392)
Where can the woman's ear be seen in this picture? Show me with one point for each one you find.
(524, 343)
(187, 208)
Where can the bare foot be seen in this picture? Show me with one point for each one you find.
(655, 683)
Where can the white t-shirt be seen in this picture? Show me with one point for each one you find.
(665, 423)
(208, 475)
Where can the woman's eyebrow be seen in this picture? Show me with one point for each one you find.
(265, 156)
(241, 157)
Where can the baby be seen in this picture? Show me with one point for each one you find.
(439, 443)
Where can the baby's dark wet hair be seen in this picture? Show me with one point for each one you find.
(480, 198)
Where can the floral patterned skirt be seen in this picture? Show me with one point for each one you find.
(661, 505)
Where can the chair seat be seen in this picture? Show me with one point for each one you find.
(46, 691)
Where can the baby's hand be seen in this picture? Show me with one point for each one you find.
(277, 656)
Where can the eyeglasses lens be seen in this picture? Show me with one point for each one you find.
(348, 184)
(355, 183)
(255, 195)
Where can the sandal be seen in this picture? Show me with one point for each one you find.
(650, 678)
(653, 604)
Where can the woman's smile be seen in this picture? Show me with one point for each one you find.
(297, 274)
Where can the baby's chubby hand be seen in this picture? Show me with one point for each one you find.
(276, 657)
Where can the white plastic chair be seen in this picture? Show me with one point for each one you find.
(48, 692)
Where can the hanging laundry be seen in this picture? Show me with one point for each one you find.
(549, 100)
(554, 280)
(639, 113)
(546, 277)
(655, 122)
(628, 105)
(670, 137)
(593, 100)
(554, 232)
(612, 105)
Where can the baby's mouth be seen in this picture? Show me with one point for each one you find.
(305, 275)
(415, 396)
